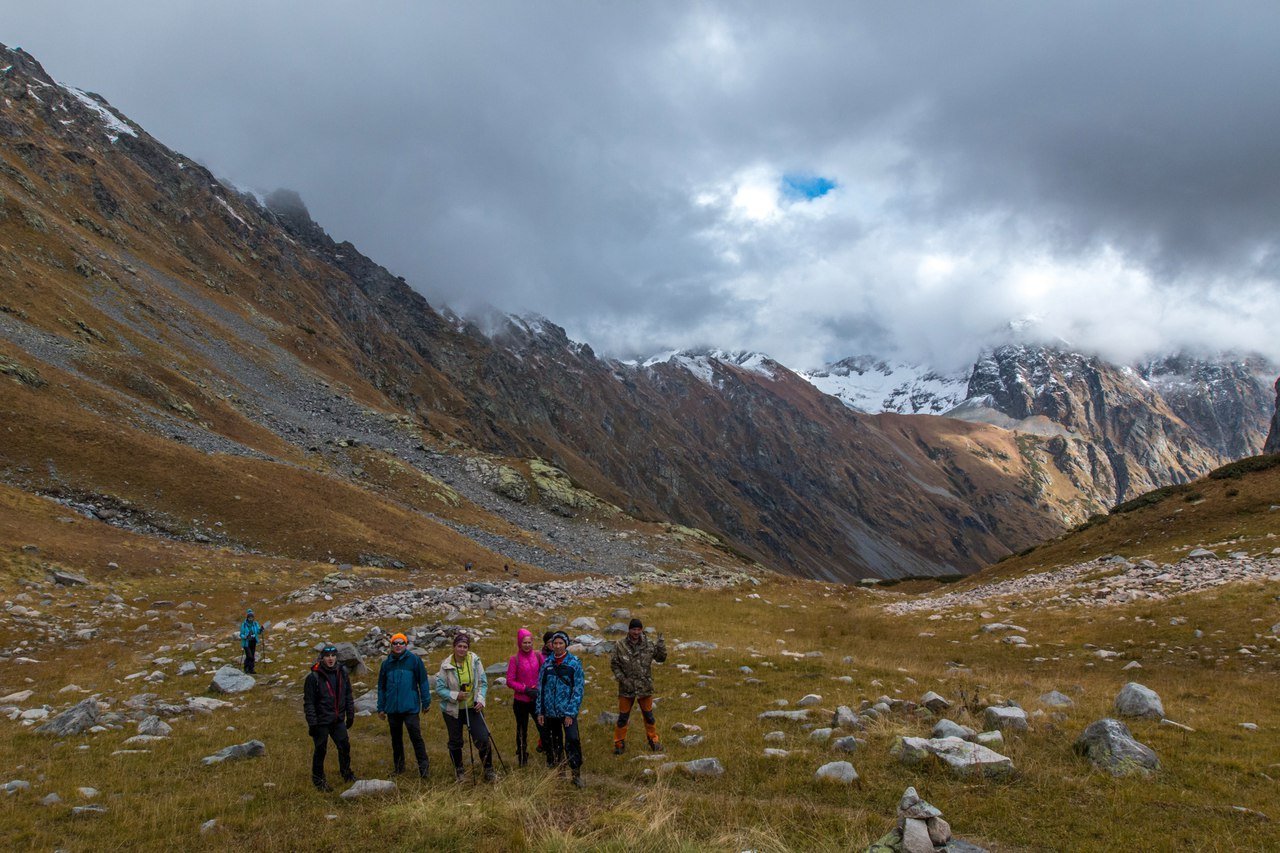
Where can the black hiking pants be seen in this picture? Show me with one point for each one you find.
(320, 736)
(398, 723)
(562, 742)
(474, 721)
(523, 711)
(250, 654)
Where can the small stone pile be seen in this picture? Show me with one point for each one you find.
(920, 829)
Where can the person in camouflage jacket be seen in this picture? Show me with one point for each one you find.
(632, 664)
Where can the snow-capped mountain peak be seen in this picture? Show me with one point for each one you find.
(870, 384)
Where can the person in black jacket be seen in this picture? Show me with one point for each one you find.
(331, 710)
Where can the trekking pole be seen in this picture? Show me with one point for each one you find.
(493, 744)
(470, 753)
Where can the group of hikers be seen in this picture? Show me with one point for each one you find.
(547, 687)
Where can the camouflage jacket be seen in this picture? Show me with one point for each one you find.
(632, 665)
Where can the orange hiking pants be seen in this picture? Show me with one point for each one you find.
(624, 714)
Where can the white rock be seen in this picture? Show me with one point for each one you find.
(809, 701)
(840, 772)
(368, 788)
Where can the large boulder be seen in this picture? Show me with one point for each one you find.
(1135, 700)
(228, 679)
(962, 758)
(367, 701)
(348, 656)
(75, 720)
(248, 749)
(1110, 746)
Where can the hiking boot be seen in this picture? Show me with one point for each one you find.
(655, 746)
(490, 775)
(620, 747)
(321, 785)
(459, 775)
(399, 771)
(577, 779)
(424, 770)
(349, 777)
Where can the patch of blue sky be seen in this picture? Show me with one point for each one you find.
(802, 187)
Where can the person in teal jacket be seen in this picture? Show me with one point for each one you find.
(404, 692)
(560, 684)
(251, 633)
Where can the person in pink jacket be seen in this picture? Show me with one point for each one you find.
(522, 678)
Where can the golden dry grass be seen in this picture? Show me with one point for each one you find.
(159, 800)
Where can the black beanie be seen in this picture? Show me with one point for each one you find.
(636, 623)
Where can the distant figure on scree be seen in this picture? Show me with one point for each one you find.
(251, 632)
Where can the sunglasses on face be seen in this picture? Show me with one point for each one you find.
(397, 642)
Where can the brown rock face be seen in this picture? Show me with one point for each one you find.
(1124, 431)
(1273, 437)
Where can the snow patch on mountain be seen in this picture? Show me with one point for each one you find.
(114, 125)
(701, 362)
(873, 385)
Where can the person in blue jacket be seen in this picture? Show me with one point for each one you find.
(251, 632)
(560, 684)
(404, 692)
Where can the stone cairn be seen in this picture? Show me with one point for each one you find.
(920, 829)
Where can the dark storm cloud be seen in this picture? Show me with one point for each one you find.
(1095, 167)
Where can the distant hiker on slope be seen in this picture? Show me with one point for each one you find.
(462, 687)
(330, 710)
(522, 677)
(404, 692)
(251, 633)
(560, 685)
(632, 664)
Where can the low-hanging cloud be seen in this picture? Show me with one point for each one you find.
(813, 181)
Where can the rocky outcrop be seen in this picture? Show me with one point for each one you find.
(1273, 437)
(1119, 431)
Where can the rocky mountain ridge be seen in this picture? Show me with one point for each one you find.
(176, 345)
(1124, 429)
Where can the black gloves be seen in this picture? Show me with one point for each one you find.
(351, 720)
(532, 693)
(314, 730)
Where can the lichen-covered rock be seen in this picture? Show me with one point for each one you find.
(1110, 746)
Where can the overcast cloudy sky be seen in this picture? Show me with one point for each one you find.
(811, 179)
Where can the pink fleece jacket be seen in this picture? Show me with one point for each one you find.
(522, 669)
